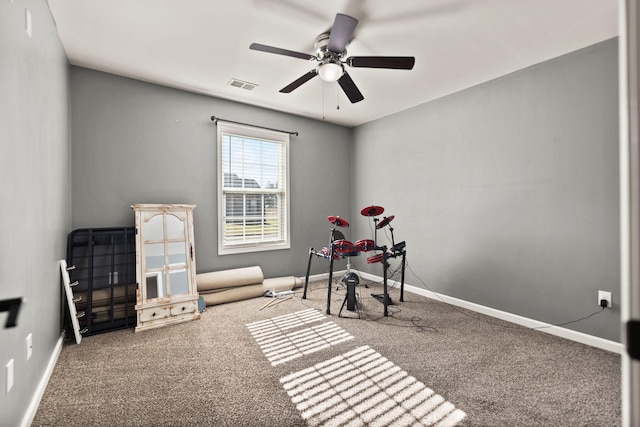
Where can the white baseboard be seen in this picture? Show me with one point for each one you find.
(323, 276)
(569, 334)
(523, 321)
(42, 385)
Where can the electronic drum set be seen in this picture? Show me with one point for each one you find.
(340, 248)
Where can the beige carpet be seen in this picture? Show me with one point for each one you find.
(290, 364)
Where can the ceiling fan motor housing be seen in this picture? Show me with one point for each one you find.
(330, 68)
(322, 51)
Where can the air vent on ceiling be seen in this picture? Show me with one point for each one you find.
(242, 85)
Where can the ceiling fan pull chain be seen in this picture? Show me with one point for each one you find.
(324, 88)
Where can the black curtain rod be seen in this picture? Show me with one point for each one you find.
(215, 119)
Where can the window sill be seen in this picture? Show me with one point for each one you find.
(250, 248)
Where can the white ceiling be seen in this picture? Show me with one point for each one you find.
(200, 45)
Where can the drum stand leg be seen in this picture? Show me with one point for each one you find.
(330, 280)
(384, 297)
(306, 279)
(404, 259)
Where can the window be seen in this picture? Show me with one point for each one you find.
(253, 189)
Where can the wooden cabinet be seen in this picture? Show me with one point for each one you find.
(165, 265)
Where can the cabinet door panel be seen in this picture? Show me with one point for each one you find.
(175, 228)
(155, 285)
(178, 282)
(177, 253)
(154, 255)
(154, 228)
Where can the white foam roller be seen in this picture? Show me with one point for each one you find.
(229, 278)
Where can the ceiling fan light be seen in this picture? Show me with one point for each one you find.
(330, 71)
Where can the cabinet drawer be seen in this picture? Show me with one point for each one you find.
(148, 314)
(186, 307)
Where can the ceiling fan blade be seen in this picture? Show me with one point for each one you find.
(350, 89)
(341, 32)
(278, 51)
(299, 82)
(393, 62)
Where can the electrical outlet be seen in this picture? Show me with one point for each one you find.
(9, 369)
(604, 295)
(29, 346)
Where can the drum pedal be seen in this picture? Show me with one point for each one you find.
(351, 280)
(380, 297)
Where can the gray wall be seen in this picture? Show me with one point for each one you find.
(507, 193)
(135, 142)
(34, 194)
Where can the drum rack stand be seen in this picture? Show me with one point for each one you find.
(331, 254)
(321, 254)
(384, 298)
(396, 250)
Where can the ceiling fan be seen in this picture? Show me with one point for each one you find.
(330, 52)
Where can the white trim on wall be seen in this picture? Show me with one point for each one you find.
(569, 334)
(510, 317)
(629, 146)
(42, 385)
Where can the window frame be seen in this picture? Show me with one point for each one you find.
(247, 131)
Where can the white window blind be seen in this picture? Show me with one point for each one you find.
(253, 196)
